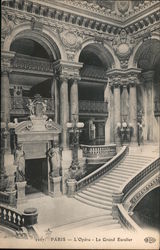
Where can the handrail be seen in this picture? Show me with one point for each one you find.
(11, 217)
(126, 189)
(102, 170)
(126, 220)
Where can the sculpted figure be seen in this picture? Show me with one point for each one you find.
(20, 162)
(44, 104)
(31, 107)
(54, 160)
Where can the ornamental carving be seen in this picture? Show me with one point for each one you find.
(71, 39)
(123, 46)
(123, 6)
(138, 196)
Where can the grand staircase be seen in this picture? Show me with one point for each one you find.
(99, 195)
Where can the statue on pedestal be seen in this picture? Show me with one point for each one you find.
(20, 162)
(54, 160)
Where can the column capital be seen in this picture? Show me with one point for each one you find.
(69, 69)
(6, 57)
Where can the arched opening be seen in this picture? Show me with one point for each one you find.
(146, 213)
(147, 58)
(32, 73)
(96, 60)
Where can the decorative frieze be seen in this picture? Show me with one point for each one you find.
(155, 182)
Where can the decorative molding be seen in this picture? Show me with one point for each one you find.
(6, 58)
(119, 77)
(155, 182)
(123, 46)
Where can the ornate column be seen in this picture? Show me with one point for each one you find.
(65, 71)
(64, 110)
(133, 81)
(124, 102)
(74, 100)
(108, 97)
(114, 79)
(117, 108)
(149, 104)
(5, 94)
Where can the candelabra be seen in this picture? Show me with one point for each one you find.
(74, 128)
(124, 131)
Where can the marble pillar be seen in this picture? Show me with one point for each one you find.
(124, 103)
(108, 97)
(149, 105)
(74, 100)
(64, 111)
(5, 96)
(133, 109)
(117, 112)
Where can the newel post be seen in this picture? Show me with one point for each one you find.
(71, 187)
(117, 198)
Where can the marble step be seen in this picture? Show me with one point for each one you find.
(122, 175)
(98, 192)
(107, 178)
(93, 204)
(95, 199)
(107, 189)
(97, 195)
(106, 186)
(116, 185)
(120, 170)
(139, 163)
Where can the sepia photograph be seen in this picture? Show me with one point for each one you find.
(80, 124)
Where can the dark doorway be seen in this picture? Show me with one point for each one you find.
(36, 171)
(146, 213)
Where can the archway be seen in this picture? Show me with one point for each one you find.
(146, 213)
(147, 58)
(96, 61)
(32, 71)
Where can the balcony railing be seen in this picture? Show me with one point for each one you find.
(96, 154)
(103, 169)
(126, 192)
(98, 107)
(19, 105)
(28, 64)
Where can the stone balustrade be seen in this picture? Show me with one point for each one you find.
(19, 105)
(11, 217)
(19, 221)
(102, 170)
(125, 220)
(122, 208)
(144, 173)
(96, 154)
(86, 106)
(27, 64)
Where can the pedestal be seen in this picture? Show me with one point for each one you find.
(117, 199)
(71, 187)
(30, 216)
(21, 191)
(12, 197)
(55, 186)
